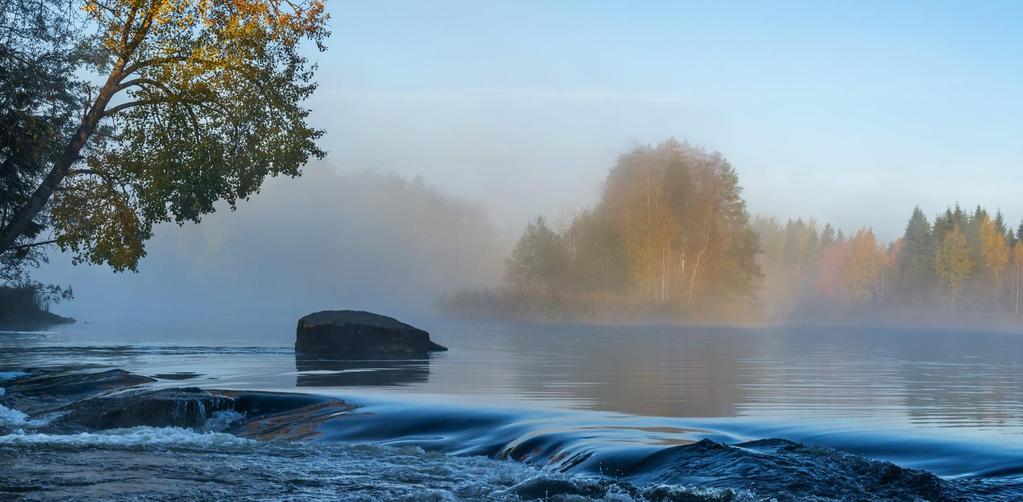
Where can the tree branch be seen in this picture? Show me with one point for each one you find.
(30, 245)
(132, 104)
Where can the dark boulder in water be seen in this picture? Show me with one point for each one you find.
(183, 407)
(357, 332)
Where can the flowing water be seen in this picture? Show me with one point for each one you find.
(512, 412)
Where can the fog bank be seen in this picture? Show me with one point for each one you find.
(325, 240)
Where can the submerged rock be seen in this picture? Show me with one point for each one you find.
(183, 407)
(788, 471)
(36, 391)
(253, 414)
(357, 332)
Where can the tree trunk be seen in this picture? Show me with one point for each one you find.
(696, 266)
(35, 204)
(1018, 274)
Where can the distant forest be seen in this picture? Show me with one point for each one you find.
(671, 239)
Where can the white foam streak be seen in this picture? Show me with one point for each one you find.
(11, 418)
(131, 437)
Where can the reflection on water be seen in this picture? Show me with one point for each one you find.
(380, 370)
(950, 402)
(869, 378)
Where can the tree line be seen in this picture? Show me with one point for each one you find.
(960, 260)
(671, 239)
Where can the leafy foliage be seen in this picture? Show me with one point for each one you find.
(670, 236)
(952, 261)
(183, 104)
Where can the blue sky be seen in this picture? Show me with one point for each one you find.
(851, 112)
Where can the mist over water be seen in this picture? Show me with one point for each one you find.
(324, 240)
(528, 410)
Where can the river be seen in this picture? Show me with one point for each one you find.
(521, 411)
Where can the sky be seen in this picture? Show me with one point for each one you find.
(849, 112)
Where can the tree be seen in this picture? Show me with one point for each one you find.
(1017, 273)
(38, 102)
(995, 253)
(953, 262)
(915, 257)
(827, 235)
(181, 104)
(1002, 227)
(597, 260)
(864, 272)
(539, 260)
(684, 227)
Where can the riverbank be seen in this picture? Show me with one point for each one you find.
(21, 309)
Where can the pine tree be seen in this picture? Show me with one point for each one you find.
(1001, 226)
(827, 236)
(916, 256)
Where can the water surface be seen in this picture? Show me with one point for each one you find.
(949, 402)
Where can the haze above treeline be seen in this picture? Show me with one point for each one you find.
(670, 239)
(840, 113)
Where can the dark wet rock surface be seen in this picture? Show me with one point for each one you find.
(39, 391)
(796, 471)
(197, 443)
(358, 332)
(84, 401)
(177, 375)
(182, 407)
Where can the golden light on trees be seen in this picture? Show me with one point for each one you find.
(197, 102)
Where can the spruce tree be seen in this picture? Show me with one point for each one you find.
(827, 236)
(916, 255)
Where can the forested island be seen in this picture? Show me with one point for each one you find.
(671, 239)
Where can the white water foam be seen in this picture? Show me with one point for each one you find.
(130, 437)
(11, 418)
(222, 420)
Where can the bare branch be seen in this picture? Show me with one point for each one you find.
(30, 245)
(132, 104)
